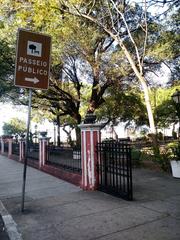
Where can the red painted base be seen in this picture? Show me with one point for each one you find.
(88, 188)
(64, 175)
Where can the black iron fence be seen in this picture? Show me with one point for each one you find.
(115, 170)
(33, 151)
(15, 148)
(65, 157)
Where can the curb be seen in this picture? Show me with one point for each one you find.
(9, 223)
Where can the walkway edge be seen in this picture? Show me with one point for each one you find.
(9, 223)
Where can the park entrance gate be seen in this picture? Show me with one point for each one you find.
(115, 169)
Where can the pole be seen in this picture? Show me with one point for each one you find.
(58, 131)
(26, 150)
(179, 130)
(54, 134)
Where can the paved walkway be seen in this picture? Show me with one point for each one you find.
(57, 210)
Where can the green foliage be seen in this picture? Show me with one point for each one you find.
(164, 155)
(6, 68)
(167, 47)
(174, 135)
(160, 155)
(161, 158)
(73, 40)
(157, 156)
(136, 157)
(125, 106)
(163, 106)
(166, 44)
(14, 127)
(174, 150)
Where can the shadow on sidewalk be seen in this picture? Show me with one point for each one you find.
(3, 233)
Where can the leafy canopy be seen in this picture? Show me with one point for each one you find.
(15, 126)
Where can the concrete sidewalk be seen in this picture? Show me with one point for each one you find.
(57, 210)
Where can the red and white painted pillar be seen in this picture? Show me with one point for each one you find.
(43, 152)
(10, 141)
(90, 136)
(22, 149)
(2, 145)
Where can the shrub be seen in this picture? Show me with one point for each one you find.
(162, 158)
(136, 157)
(174, 150)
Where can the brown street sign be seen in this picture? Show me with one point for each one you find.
(32, 60)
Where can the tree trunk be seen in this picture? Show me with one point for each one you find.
(138, 72)
(148, 106)
(142, 82)
(54, 135)
(69, 139)
(94, 94)
(78, 136)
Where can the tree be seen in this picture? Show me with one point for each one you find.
(123, 106)
(67, 87)
(59, 100)
(14, 127)
(100, 41)
(115, 18)
(166, 45)
(6, 70)
(163, 106)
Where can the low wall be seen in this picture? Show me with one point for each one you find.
(54, 171)
(73, 178)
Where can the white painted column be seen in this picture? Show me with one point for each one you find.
(10, 140)
(21, 149)
(2, 146)
(90, 136)
(43, 153)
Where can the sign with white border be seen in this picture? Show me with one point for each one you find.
(32, 60)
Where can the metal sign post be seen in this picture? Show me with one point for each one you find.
(31, 71)
(26, 150)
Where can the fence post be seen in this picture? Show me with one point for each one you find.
(90, 136)
(10, 140)
(43, 151)
(22, 149)
(2, 145)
